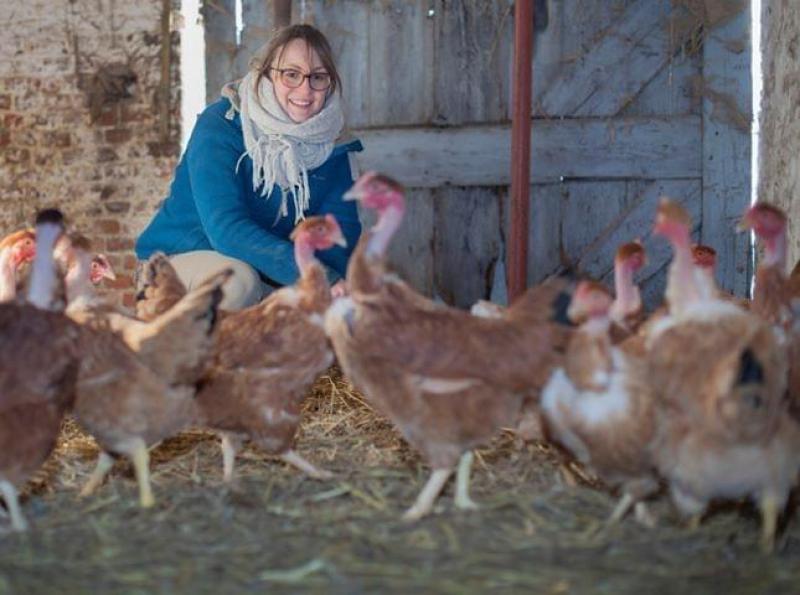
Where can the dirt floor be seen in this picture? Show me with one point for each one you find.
(539, 529)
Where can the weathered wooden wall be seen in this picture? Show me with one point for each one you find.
(623, 91)
(780, 116)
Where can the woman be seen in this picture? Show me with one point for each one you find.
(260, 159)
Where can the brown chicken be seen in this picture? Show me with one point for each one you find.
(627, 310)
(16, 249)
(600, 407)
(776, 296)
(448, 380)
(719, 374)
(39, 361)
(158, 287)
(267, 356)
(176, 344)
(101, 269)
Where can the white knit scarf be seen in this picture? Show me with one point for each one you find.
(282, 150)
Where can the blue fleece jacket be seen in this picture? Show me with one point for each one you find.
(211, 206)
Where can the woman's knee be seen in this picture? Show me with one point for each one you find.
(243, 289)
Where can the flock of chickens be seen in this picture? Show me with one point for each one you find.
(701, 396)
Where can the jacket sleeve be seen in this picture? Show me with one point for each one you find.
(220, 197)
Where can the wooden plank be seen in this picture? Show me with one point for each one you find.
(671, 92)
(613, 70)
(544, 242)
(474, 42)
(411, 251)
(480, 155)
(467, 243)
(256, 31)
(635, 220)
(346, 25)
(219, 20)
(727, 112)
(400, 69)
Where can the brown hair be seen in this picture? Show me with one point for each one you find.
(314, 39)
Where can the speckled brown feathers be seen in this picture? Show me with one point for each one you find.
(158, 287)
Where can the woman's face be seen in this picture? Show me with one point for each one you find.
(303, 102)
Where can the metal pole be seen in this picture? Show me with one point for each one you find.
(520, 150)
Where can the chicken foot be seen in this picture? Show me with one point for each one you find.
(424, 503)
(11, 497)
(104, 464)
(305, 466)
(462, 500)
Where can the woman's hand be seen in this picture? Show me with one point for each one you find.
(339, 289)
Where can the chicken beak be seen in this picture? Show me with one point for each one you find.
(340, 240)
(352, 194)
(745, 223)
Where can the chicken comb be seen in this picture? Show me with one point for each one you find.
(588, 286)
(49, 216)
(630, 249)
(673, 210)
(704, 256)
(768, 208)
(17, 236)
(390, 182)
(306, 223)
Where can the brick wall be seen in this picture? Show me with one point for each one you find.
(79, 120)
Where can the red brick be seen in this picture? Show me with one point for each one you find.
(15, 155)
(121, 282)
(13, 120)
(118, 135)
(5, 138)
(119, 244)
(108, 117)
(5, 101)
(106, 226)
(129, 262)
(57, 138)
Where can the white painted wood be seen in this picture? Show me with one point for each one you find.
(727, 113)
(613, 70)
(480, 155)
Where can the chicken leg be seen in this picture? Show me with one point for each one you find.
(305, 466)
(462, 500)
(231, 443)
(11, 497)
(104, 464)
(137, 451)
(428, 495)
(769, 522)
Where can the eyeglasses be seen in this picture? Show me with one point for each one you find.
(292, 78)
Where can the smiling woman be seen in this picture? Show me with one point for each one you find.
(267, 154)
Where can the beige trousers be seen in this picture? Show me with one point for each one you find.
(243, 289)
